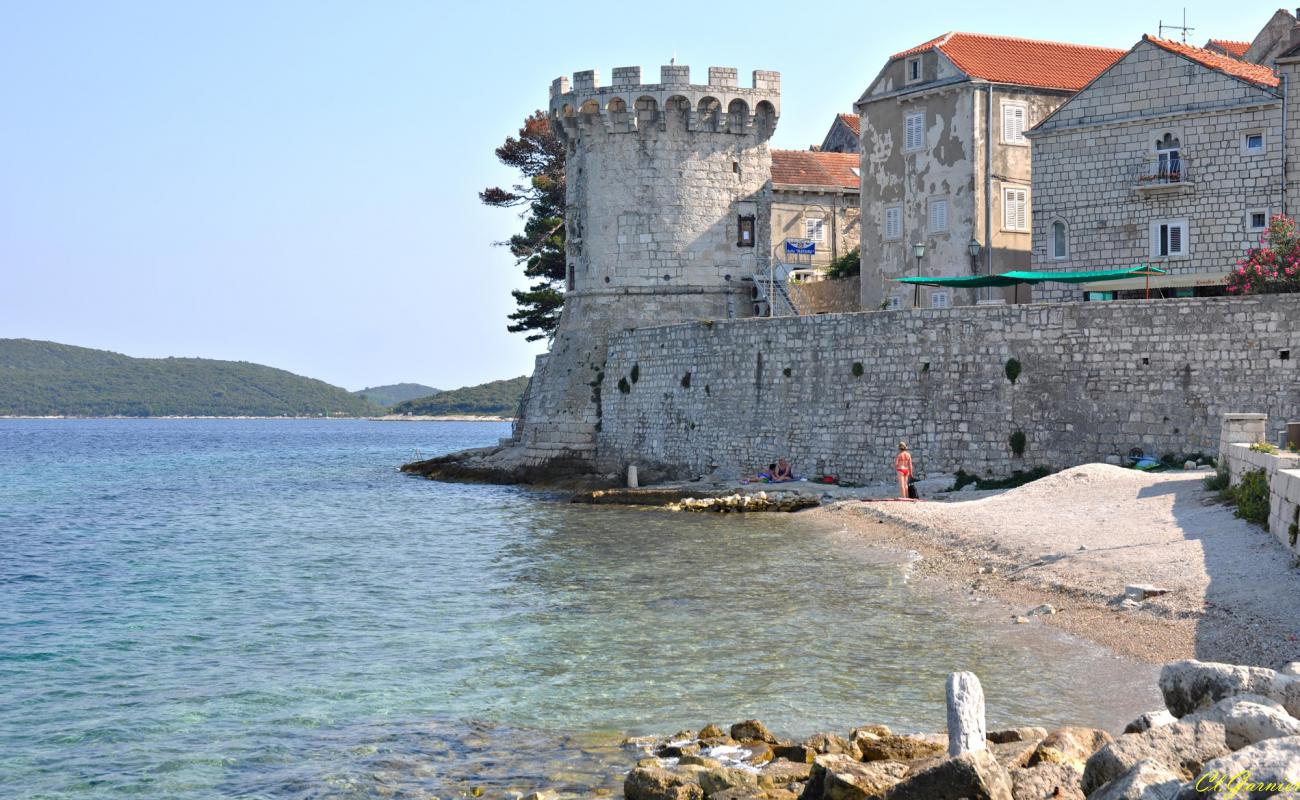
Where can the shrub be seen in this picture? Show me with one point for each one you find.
(1251, 497)
(686, 381)
(624, 386)
(1219, 481)
(1272, 268)
(1012, 369)
(1265, 447)
(846, 266)
(786, 372)
(1017, 442)
(858, 369)
(1017, 478)
(635, 374)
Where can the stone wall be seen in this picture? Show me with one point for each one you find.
(837, 392)
(1092, 159)
(828, 296)
(1281, 469)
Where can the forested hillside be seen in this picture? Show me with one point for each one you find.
(394, 393)
(498, 399)
(44, 378)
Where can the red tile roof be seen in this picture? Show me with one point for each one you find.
(815, 168)
(1234, 49)
(854, 122)
(1021, 62)
(1254, 73)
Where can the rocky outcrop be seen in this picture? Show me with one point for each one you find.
(1248, 718)
(655, 783)
(1145, 780)
(970, 776)
(1274, 761)
(1190, 685)
(1069, 745)
(840, 777)
(897, 748)
(508, 465)
(1182, 748)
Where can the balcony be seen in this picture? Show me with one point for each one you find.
(1165, 173)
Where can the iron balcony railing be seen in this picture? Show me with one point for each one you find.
(1164, 170)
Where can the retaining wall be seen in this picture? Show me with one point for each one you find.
(1281, 469)
(835, 393)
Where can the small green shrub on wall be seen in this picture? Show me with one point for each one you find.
(858, 369)
(1017, 442)
(1251, 497)
(686, 381)
(624, 386)
(635, 373)
(1012, 369)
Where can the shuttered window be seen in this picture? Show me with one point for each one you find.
(1014, 116)
(894, 222)
(1015, 209)
(1169, 238)
(914, 136)
(814, 229)
(938, 216)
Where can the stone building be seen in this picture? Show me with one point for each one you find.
(667, 214)
(945, 162)
(815, 199)
(844, 134)
(1171, 157)
(1228, 47)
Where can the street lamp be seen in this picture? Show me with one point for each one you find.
(974, 247)
(918, 250)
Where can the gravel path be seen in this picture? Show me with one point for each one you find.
(1076, 538)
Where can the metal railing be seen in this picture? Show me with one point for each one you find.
(1161, 171)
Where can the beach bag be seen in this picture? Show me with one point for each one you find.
(912, 493)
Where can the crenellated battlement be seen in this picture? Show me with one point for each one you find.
(627, 105)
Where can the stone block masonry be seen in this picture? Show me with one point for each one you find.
(835, 393)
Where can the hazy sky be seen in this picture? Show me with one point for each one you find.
(294, 183)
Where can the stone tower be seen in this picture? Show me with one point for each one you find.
(666, 218)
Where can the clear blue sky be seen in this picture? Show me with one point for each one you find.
(294, 183)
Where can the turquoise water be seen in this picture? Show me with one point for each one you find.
(261, 608)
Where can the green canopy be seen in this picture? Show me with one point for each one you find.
(1013, 278)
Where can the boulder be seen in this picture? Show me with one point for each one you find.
(1014, 754)
(1145, 780)
(714, 781)
(830, 743)
(1017, 734)
(1190, 685)
(757, 753)
(1141, 591)
(700, 761)
(973, 776)
(873, 730)
(712, 731)
(839, 777)
(795, 752)
(1183, 748)
(1270, 761)
(1249, 718)
(898, 748)
(1069, 745)
(678, 750)
(780, 774)
(1046, 782)
(655, 783)
(1149, 720)
(751, 730)
(966, 731)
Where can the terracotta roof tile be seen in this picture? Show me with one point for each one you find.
(814, 168)
(1254, 73)
(853, 122)
(1232, 48)
(1021, 62)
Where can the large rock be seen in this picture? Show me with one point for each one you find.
(966, 731)
(757, 753)
(1182, 748)
(1024, 734)
(1070, 745)
(1190, 685)
(751, 730)
(1149, 720)
(780, 774)
(970, 776)
(712, 731)
(839, 777)
(1249, 718)
(719, 779)
(1046, 782)
(830, 743)
(1145, 780)
(655, 783)
(894, 747)
(795, 752)
(1274, 761)
(1014, 755)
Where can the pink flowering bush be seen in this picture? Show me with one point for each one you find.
(1272, 268)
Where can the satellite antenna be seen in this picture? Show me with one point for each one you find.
(673, 61)
(1183, 28)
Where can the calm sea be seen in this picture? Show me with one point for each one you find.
(260, 608)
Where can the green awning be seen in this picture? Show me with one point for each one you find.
(1015, 277)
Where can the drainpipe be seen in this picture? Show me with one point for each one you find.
(1282, 76)
(988, 186)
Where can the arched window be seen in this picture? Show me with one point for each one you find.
(1169, 158)
(1060, 240)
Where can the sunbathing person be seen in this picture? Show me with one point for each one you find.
(783, 471)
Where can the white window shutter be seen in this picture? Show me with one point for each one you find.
(1175, 240)
(1022, 210)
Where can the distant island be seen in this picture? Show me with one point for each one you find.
(493, 399)
(394, 393)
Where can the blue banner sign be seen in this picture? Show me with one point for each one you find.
(800, 247)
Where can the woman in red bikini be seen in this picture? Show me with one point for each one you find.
(903, 465)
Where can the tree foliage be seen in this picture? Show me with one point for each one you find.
(1273, 268)
(497, 398)
(394, 393)
(846, 266)
(538, 155)
(49, 379)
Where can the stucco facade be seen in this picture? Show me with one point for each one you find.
(1162, 160)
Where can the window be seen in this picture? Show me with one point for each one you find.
(745, 232)
(1252, 143)
(1060, 241)
(914, 137)
(938, 216)
(814, 229)
(913, 69)
(894, 303)
(1015, 209)
(1257, 220)
(1169, 238)
(939, 300)
(894, 222)
(1169, 158)
(1014, 116)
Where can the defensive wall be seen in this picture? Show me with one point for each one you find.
(835, 393)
